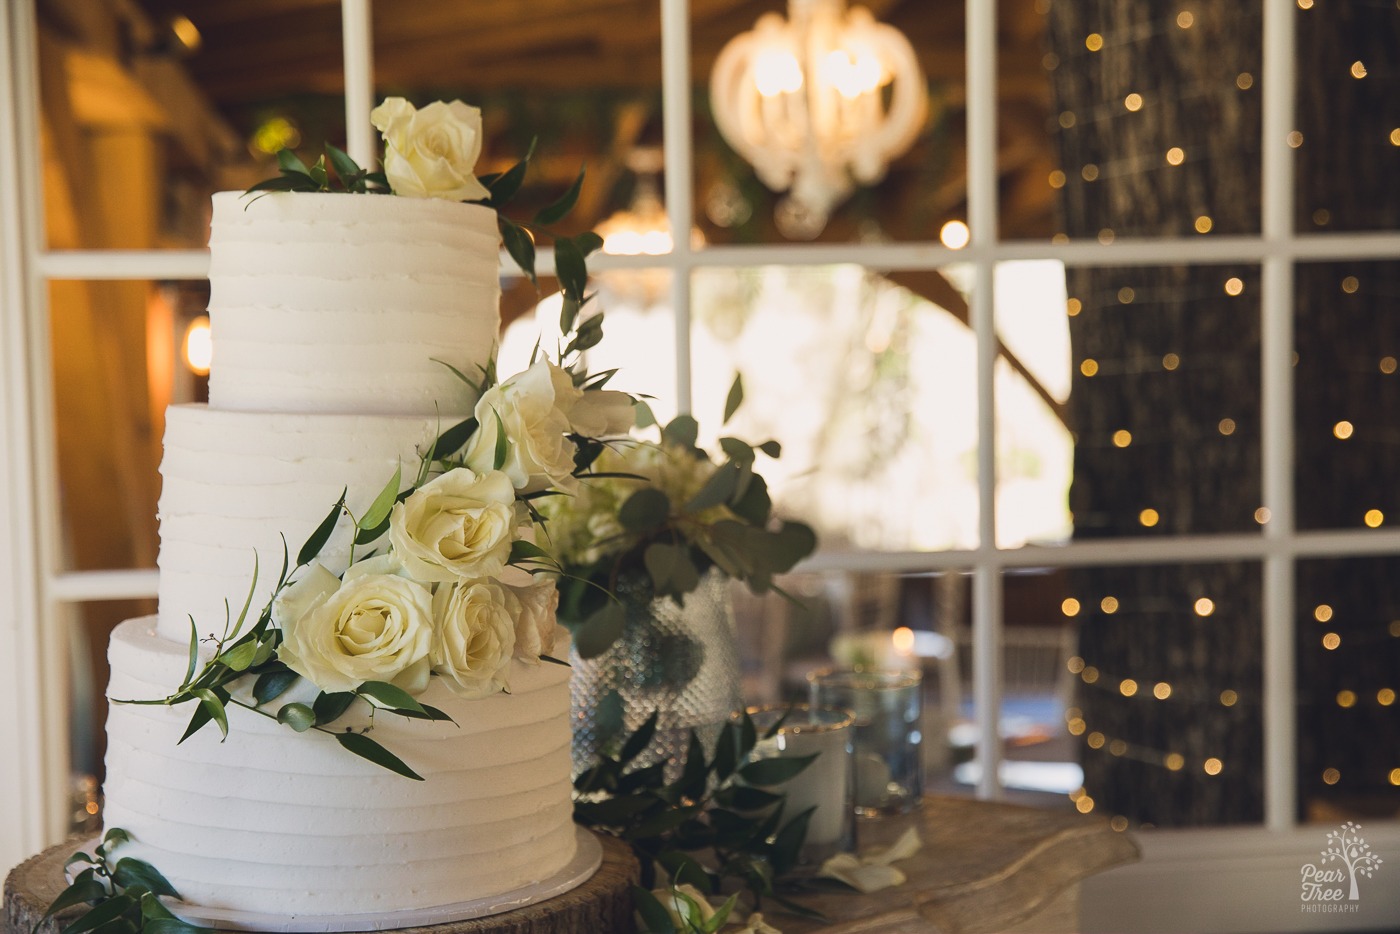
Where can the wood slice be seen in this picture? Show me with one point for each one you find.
(602, 904)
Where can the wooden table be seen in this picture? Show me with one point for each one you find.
(984, 866)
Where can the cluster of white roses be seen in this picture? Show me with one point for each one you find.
(444, 598)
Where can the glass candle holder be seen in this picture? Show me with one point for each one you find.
(888, 733)
(828, 783)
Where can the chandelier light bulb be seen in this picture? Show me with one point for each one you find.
(818, 102)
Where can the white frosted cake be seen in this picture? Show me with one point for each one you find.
(328, 312)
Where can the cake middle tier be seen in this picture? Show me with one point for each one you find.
(235, 484)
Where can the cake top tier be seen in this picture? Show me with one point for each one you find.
(333, 302)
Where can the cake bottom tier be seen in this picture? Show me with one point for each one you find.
(276, 822)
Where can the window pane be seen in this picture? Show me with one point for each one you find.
(1166, 708)
(118, 361)
(922, 188)
(1347, 397)
(1157, 117)
(1348, 144)
(1348, 634)
(1165, 399)
(866, 380)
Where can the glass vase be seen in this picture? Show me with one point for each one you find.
(681, 661)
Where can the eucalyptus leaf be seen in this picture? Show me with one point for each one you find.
(570, 267)
(322, 534)
(239, 657)
(193, 662)
(783, 852)
(556, 211)
(597, 633)
(646, 509)
(130, 872)
(640, 739)
(736, 450)
(504, 186)
(212, 703)
(672, 572)
(273, 683)
(200, 717)
(453, 439)
(287, 161)
(366, 748)
(771, 448)
(346, 168)
(735, 397)
(520, 244)
(297, 716)
(717, 490)
(775, 771)
(330, 706)
(644, 417)
(378, 510)
(682, 430)
(390, 695)
(755, 505)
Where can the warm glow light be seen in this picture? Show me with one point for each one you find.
(1350, 284)
(1295, 139)
(1084, 805)
(1066, 119)
(1089, 172)
(1070, 607)
(1127, 687)
(1148, 518)
(1204, 606)
(1305, 4)
(1095, 740)
(1226, 426)
(851, 74)
(1184, 19)
(776, 71)
(1394, 628)
(1331, 776)
(275, 134)
(1090, 675)
(1170, 361)
(1126, 295)
(1162, 690)
(1117, 747)
(1109, 605)
(1395, 137)
(1176, 155)
(1089, 367)
(1346, 698)
(1204, 224)
(1212, 766)
(1322, 217)
(1244, 81)
(1395, 776)
(1122, 438)
(185, 31)
(1228, 698)
(903, 639)
(1076, 727)
(1105, 236)
(1133, 102)
(1175, 761)
(1322, 612)
(1385, 697)
(1262, 515)
(1075, 664)
(1331, 641)
(1093, 42)
(1374, 518)
(1343, 430)
(1073, 307)
(1120, 823)
(1358, 69)
(955, 235)
(1387, 365)
(1234, 285)
(198, 349)
(1057, 179)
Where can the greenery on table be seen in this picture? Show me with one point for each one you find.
(123, 897)
(716, 826)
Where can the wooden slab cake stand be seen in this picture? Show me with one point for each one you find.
(603, 903)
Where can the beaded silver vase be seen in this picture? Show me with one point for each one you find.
(679, 660)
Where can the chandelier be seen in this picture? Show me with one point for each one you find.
(819, 101)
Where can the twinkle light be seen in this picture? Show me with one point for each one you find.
(1373, 518)
(1066, 119)
(1322, 612)
(1388, 365)
(1295, 139)
(955, 235)
(1343, 430)
(1090, 172)
(1184, 19)
(1322, 217)
(1093, 42)
(1305, 4)
(1331, 776)
(1385, 697)
(1095, 740)
(1109, 605)
(1176, 155)
(1204, 224)
(1069, 606)
(1394, 628)
(1106, 236)
(1244, 81)
(1084, 805)
(1395, 776)
(1076, 726)
(1057, 179)
(1350, 284)
(1234, 285)
(1120, 823)
(198, 346)
(1226, 426)
(1204, 606)
(1133, 102)
(1346, 698)
(1262, 514)
(1117, 747)
(1395, 137)
(1126, 295)
(1170, 361)
(1090, 674)
(1122, 438)
(1089, 367)
(1075, 664)
(1228, 698)
(1148, 518)
(1073, 306)
(1162, 690)
(1175, 761)
(1358, 69)
(1212, 766)
(1127, 687)
(1330, 641)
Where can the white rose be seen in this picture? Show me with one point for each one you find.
(474, 636)
(371, 627)
(535, 622)
(458, 526)
(602, 413)
(431, 153)
(682, 914)
(532, 408)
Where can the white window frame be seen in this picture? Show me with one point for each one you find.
(34, 588)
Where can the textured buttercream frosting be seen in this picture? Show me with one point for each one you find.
(343, 303)
(273, 821)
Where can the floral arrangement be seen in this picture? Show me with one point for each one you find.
(667, 513)
(447, 588)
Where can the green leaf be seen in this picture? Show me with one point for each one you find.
(748, 735)
(726, 754)
(640, 739)
(522, 550)
(504, 186)
(273, 683)
(471, 383)
(378, 510)
(597, 633)
(570, 267)
(318, 538)
(755, 505)
(453, 439)
(294, 181)
(653, 913)
(556, 211)
(568, 314)
(610, 812)
(129, 872)
(520, 244)
(721, 915)
(287, 161)
(646, 509)
(775, 771)
(115, 836)
(744, 798)
(297, 716)
(82, 891)
(346, 169)
(791, 543)
(79, 857)
(686, 870)
(200, 717)
(738, 451)
(329, 707)
(212, 703)
(429, 712)
(735, 397)
(240, 656)
(692, 781)
(717, 490)
(777, 724)
(366, 748)
(193, 663)
(113, 907)
(771, 448)
(783, 852)
(672, 572)
(666, 821)
(645, 417)
(502, 442)
(590, 334)
(390, 695)
(588, 242)
(318, 173)
(682, 430)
